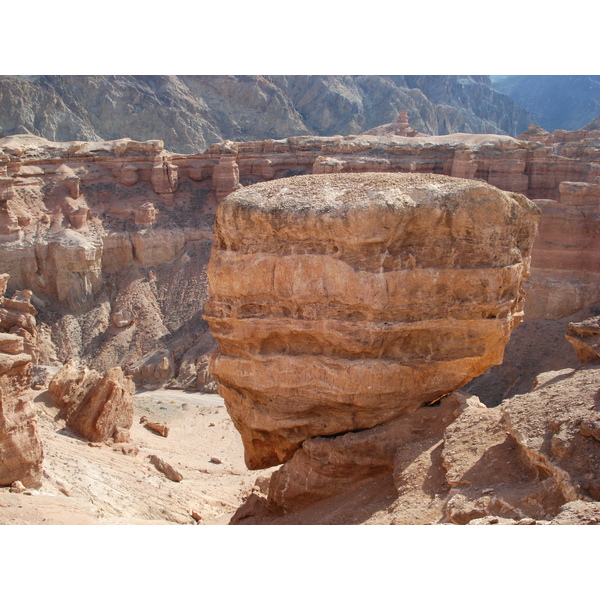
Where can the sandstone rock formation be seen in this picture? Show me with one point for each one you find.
(117, 270)
(93, 405)
(226, 176)
(154, 369)
(532, 460)
(21, 452)
(566, 268)
(343, 301)
(585, 338)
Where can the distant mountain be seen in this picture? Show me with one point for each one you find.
(557, 101)
(191, 112)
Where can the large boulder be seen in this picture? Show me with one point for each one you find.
(343, 301)
(96, 406)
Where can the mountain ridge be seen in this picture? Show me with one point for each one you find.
(190, 112)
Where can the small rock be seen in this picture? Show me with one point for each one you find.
(122, 435)
(196, 516)
(159, 428)
(211, 424)
(127, 448)
(262, 483)
(165, 468)
(143, 419)
(17, 487)
(216, 460)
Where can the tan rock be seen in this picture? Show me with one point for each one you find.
(226, 176)
(145, 215)
(327, 165)
(127, 174)
(159, 428)
(165, 468)
(10, 343)
(585, 338)
(96, 406)
(164, 176)
(558, 428)
(157, 368)
(122, 318)
(152, 248)
(21, 451)
(343, 301)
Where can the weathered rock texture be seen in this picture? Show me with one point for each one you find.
(93, 405)
(343, 301)
(557, 101)
(21, 452)
(534, 459)
(567, 254)
(585, 338)
(114, 250)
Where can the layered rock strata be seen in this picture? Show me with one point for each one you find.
(113, 237)
(343, 301)
(21, 451)
(566, 265)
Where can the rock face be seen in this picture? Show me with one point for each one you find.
(21, 452)
(575, 98)
(118, 269)
(534, 459)
(95, 406)
(585, 338)
(566, 268)
(343, 301)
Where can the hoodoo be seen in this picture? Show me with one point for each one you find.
(343, 301)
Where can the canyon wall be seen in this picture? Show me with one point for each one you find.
(21, 452)
(113, 238)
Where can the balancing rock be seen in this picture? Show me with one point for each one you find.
(342, 301)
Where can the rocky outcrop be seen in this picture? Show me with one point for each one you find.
(560, 432)
(343, 301)
(153, 370)
(532, 460)
(21, 452)
(95, 406)
(117, 269)
(585, 338)
(226, 176)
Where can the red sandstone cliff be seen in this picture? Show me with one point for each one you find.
(113, 238)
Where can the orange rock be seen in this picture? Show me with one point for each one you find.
(343, 301)
(96, 406)
(21, 451)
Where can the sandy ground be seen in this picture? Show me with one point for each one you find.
(99, 484)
